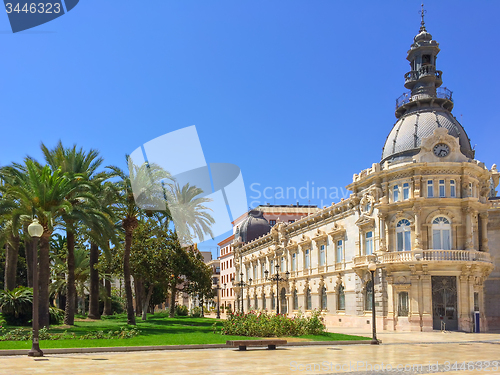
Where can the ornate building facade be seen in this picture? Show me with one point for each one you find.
(427, 215)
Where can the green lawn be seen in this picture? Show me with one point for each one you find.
(157, 330)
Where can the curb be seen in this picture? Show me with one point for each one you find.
(122, 349)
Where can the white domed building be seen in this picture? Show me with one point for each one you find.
(426, 215)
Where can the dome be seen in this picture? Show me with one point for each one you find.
(252, 227)
(406, 136)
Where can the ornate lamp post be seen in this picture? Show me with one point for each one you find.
(372, 267)
(277, 278)
(218, 288)
(35, 230)
(241, 284)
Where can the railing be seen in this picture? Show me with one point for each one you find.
(403, 99)
(425, 256)
(444, 93)
(441, 92)
(364, 260)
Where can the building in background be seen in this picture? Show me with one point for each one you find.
(426, 215)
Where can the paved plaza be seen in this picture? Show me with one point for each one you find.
(436, 352)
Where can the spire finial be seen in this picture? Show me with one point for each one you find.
(422, 24)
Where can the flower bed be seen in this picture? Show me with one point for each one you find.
(264, 324)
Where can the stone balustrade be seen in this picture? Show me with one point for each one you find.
(426, 256)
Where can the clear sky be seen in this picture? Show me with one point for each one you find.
(294, 92)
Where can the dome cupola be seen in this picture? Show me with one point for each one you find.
(254, 226)
(426, 107)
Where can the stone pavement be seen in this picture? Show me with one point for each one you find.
(410, 349)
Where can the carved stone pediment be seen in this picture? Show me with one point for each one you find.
(337, 231)
(365, 221)
(319, 236)
(440, 136)
(304, 240)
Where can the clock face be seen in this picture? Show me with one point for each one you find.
(441, 150)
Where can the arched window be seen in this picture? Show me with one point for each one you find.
(256, 302)
(262, 272)
(273, 301)
(248, 303)
(295, 300)
(441, 234)
(369, 296)
(322, 255)
(341, 298)
(264, 301)
(403, 304)
(323, 299)
(308, 299)
(294, 262)
(403, 234)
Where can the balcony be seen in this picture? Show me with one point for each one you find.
(426, 256)
(441, 92)
(424, 71)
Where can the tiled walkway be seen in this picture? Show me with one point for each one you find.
(404, 349)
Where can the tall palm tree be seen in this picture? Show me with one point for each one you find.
(41, 191)
(190, 216)
(149, 177)
(77, 164)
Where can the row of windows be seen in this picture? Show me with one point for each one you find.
(307, 260)
(403, 194)
(402, 308)
(227, 278)
(441, 234)
(227, 264)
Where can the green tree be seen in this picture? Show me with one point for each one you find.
(149, 176)
(77, 165)
(41, 192)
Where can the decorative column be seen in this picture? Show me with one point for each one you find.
(426, 282)
(484, 232)
(391, 318)
(418, 228)
(469, 244)
(414, 315)
(382, 232)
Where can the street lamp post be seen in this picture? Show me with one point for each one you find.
(35, 230)
(277, 278)
(241, 284)
(218, 288)
(372, 267)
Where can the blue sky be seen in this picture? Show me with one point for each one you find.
(293, 92)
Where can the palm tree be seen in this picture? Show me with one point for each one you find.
(41, 191)
(76, 164)
(190, 216)
(148, 177)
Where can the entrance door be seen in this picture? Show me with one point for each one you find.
(444, 302)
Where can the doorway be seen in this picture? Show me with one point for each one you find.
(444, 303)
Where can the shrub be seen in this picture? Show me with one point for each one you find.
(16, 305)
(195, 312)
(181, 310)
(118, 304)
(21, 334)
(56, 315)
(271, 325)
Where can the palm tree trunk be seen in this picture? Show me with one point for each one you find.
(129, 227)
(11, 257)
(173, 291)
(107, 301)
(69, 312)
(146, 302)
(44, 278)
(28, 251)
(94, 283)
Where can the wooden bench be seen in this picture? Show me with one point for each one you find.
(242, 344)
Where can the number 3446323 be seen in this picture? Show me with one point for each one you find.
(33, 8)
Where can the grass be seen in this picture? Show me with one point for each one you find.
(157, 330)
